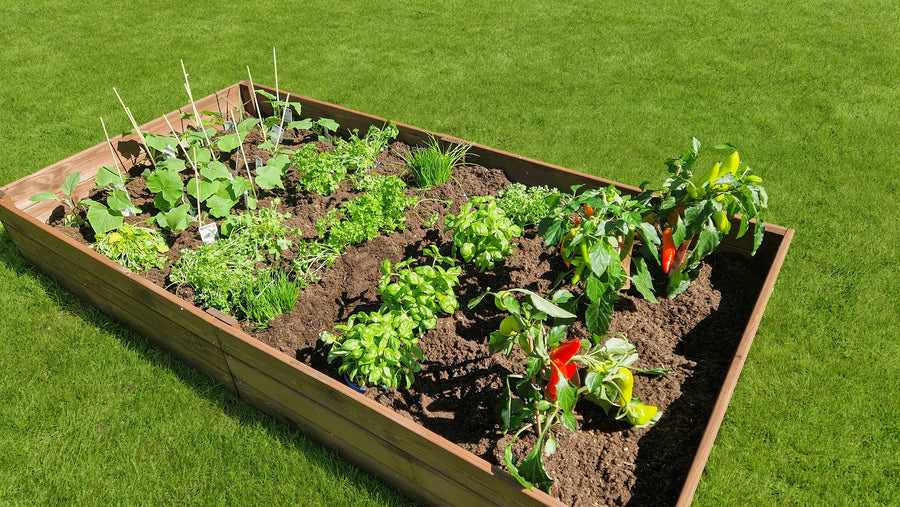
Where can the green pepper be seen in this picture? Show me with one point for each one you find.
(577, 276)
(624, 380)
(752, 178)
(730, 165)
(584, 253)
(721, 221)
(640, 415)
(712, 175)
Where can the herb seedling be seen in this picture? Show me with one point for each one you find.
(482, 232)
(136, 248)
(432, 165)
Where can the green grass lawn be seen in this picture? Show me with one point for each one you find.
(808, 92)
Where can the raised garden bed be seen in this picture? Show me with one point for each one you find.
(275, 371)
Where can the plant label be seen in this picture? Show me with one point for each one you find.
(258, 162)
(278, 133)
(289, 115)
(169, 152)
(209, 233)
(228, 126)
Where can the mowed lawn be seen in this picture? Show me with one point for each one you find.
(91, 413)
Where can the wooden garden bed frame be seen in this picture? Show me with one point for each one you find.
(419, 462)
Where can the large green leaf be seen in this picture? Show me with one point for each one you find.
(103, 219)
(70, 183)
(642, 280)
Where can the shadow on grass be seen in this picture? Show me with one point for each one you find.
(223, 399)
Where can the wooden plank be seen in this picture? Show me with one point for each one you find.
(403, 434)
(103, 292)
(357, 439)
(119, 278)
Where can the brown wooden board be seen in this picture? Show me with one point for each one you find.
(309, 398)
(403, 453)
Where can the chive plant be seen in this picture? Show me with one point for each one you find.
(431, 165)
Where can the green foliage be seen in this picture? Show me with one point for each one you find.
(595, 231)
(136, 248)
(526, 205)
(376, 348)
(359, 154)
(68, 188)
(320, 172)
(271, 294)
(699, 209)
(380, 347)
(422, 292)
(379, 209)
(482, 232)
(264, 231)
(431, 165)
(542, 398)
(223, 274)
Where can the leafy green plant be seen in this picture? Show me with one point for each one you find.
(223, 274)
(526, 205)
(136, 248)
(379, 209)
(323, 171)
(423, 291)
(694, 212)
(264, 231)
(543, 398)
(272, 293)
(432, 165)
(376, 348)
(482, 232)
(595, 232)
(359, 154)
(320, 172)
(68, 188)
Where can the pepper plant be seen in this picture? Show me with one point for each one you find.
(543, 398)
(594, 232)
(694, 212)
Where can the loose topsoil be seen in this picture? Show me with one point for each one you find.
(607, 462)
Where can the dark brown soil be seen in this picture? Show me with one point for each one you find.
(607, 462)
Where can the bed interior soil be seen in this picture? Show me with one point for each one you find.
(607, 462)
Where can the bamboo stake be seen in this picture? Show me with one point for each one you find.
(187, 86)
(193, 165)
(262, 126)
(275, 59)
(136, 128)
(244, 155)
(112, 150)
(287, 101)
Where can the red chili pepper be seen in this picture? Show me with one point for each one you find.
(560, 365)
(588, 210)
(565, 351)
(668, 253)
